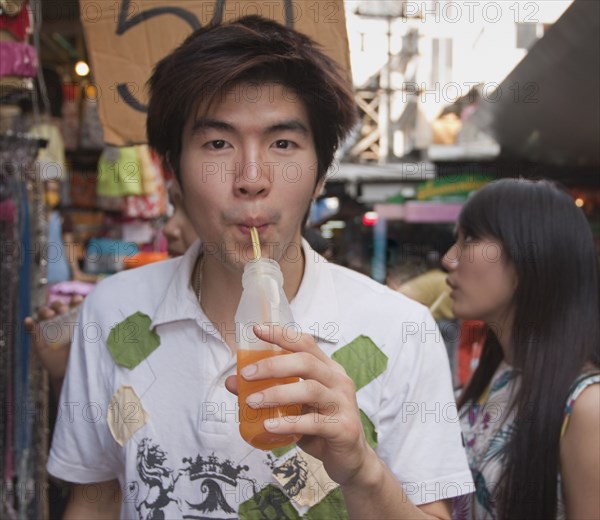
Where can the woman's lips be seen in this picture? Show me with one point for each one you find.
(454, 289)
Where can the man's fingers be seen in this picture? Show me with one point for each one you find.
(299, 364)
(311, 394)
(231, 384)
(290, 338)
(332, 426)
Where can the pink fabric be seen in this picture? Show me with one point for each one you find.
(17, 59)
(8, 210)
(63, 291)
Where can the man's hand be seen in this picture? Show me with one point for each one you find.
(331, 427)
(330, 421)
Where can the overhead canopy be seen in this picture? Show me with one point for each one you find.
(548, 108)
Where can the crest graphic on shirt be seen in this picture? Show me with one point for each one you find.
(213, 474)
(158, 478)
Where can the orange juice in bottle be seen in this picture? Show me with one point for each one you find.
(263, 302)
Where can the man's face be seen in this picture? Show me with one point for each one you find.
(249, 160)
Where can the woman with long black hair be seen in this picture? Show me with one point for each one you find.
(524, 262)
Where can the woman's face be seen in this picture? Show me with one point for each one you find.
(482, 279)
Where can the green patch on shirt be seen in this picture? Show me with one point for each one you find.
(131, 341)
(362, 359)
(270, 503)
(331, 507)
(278, 452)
(369, 429)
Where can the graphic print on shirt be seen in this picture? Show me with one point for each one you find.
(159, 482)
(158, 479)
(292, 474)
(213, 474)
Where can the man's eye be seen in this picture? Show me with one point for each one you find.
(218, 144)
(283, 144)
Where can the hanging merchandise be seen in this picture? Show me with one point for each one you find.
(148, 175)
(64, 291)
(19, 25)
(24, 215)
(23, 231)
(119, 172)
(152, 205)
(114, 204)
(13, 89)
(91, 136)
(11, 7)
(138, 231)
(58, 266)
(106, 256)
(69, 122)
(17, 59)
(51, 158)
(83, 189)
(8, 271)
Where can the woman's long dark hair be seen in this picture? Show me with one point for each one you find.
(556, 329)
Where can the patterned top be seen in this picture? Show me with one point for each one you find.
(487, 426)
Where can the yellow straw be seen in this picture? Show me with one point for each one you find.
(255, 243)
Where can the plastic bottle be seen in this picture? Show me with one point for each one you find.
(263, 302)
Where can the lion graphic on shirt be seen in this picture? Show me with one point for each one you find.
(158, 478)
(294, 473)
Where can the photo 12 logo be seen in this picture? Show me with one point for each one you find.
(471, 11)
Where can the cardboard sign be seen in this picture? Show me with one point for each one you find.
(125, 39)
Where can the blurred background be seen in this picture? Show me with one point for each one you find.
(451, 95)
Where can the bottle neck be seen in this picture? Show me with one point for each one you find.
(262, 267)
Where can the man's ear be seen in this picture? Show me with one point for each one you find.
(166, 160)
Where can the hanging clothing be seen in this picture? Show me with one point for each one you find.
(18, 59)
(58, 265)
(119, 172)
(23, 447)
(18, 25)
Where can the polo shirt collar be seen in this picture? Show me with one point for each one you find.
(180, 301)
(315, 306)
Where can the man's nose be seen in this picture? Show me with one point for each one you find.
(254, 179)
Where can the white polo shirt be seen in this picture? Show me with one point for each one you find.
(167, 428)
